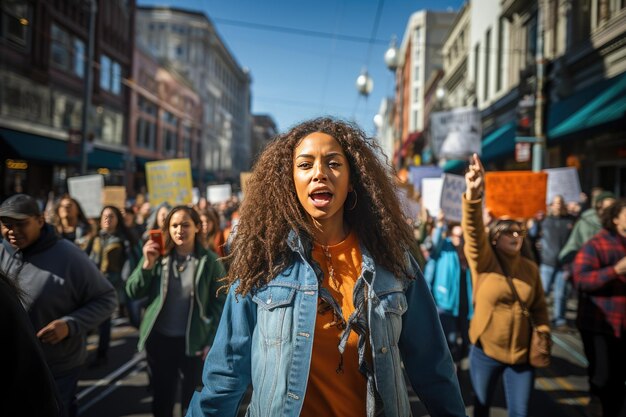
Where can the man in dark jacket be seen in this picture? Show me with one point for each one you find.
(65, 295)
(552, 233)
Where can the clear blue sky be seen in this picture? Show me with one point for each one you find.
(297, 77)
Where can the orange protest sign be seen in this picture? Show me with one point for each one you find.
(517, 194)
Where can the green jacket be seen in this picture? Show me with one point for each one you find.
(585, 228)
(206, 307)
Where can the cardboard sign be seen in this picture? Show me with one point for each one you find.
(563, 182)
(219, 193)
(451, 196)
(416, 174)
(431, 195)
(516, 194)
(114, 196)
(169, 181)
(87, 190)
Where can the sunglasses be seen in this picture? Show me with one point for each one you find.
(514, 233)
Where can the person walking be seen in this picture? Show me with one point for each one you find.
(182, 310)
(64, 292)
(599, 274)
(499, 330)
(450, 281)
(109, 251)
(324, 300)
(552, 233)
(22, 361)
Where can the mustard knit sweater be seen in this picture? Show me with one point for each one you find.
(498, 322)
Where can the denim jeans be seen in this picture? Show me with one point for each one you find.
(485, 373)
(66, 383)
(553, 278)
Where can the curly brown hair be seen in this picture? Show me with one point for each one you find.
(271, 209)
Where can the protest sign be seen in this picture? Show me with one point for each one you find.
(431, 195)
(87, 190)
(169, 181)
(517, 194)
(456, 134)
(417, 173)
(563, 182)
(219, 193)
(114, 196)
(451, 196)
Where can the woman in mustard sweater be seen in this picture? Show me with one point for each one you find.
(499, 331)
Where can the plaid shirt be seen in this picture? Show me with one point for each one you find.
(602, 291)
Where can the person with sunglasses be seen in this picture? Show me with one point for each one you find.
(499, 330)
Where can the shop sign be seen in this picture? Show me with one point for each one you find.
(16, 164)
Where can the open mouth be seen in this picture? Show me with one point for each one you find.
(321, 198)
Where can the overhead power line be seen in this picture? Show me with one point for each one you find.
(302, 32)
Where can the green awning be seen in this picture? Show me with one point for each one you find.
(41, 148)
(499, 143)
(454, 165)
(602, 103)
(35, 147)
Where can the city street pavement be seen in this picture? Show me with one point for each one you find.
(120, 388)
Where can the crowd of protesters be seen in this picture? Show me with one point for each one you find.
(64, 276)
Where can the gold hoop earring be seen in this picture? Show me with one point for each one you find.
(355, 200)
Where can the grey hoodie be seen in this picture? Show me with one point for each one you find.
(60, 281)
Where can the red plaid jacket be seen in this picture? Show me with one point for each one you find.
(602, 291)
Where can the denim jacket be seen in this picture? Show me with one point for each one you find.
(266, 338)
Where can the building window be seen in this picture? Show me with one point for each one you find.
(476, 65)
(67, 52)
(146, 133)
(15, 24)
(110, 75)
(531, 40)
(109, 126)
(499, 55)
(169, 128)
(487, 64)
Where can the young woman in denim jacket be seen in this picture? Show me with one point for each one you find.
(324, 301)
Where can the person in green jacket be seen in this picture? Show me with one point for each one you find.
(183, 309)
(585, 228)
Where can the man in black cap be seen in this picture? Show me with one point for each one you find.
(65, 294)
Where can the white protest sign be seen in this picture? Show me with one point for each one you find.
(456, 134)
(451, 193)
(431, 195)
(563, 182)
(87, 190)
(219, 193)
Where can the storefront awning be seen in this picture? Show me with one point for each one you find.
(599, 104)
(499, 143)
(40, 148)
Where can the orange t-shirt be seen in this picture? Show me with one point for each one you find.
(330, 393)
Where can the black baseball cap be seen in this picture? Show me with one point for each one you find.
(19, 206)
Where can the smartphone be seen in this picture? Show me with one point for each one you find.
(157, 236)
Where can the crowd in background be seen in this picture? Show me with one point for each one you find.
(116, 244)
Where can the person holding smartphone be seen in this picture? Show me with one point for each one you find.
(180, 279)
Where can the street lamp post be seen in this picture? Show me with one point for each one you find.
(88, 86)
(540, 142)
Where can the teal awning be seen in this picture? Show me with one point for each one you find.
(29, 146)
(601, 103)
(41, 148)
(454, 165)
(499, 143)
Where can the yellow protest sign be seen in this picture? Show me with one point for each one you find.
(517, 194)
(169, 181)
(114, 196)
